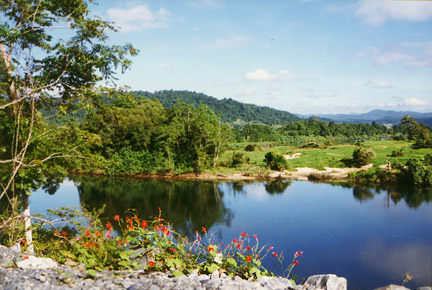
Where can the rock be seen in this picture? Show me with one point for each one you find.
(325, 282)
(392, 287)
(424, 288)
(37, 263)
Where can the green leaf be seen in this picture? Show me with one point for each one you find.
(232, 262)
(92, 273)
(177, 273)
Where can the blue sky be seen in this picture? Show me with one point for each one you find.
(301, 56)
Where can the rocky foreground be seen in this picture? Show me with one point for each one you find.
(18, 271)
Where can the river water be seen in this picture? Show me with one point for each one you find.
(370, 236)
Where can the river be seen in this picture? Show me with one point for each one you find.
(370, 236)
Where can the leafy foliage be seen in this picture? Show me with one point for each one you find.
(231, 111)
(275, 161)
(363, 156)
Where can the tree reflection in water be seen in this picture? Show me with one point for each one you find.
(413, 196)
(188, 205)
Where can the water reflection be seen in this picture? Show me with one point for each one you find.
(413, 196)
(188, 205)
(277, 186)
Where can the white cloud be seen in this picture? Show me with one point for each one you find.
(377, 12)
(383, 84)
(261, 75)
(165, 65)
(230, 42)
(418, 54)
(139, 18)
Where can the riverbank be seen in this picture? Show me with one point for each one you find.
(300, 173)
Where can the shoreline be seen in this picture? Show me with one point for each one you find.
(301, 173)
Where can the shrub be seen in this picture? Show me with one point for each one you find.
(237, 159)
(428, 159)
(363, 156)
(275, 161)
(250, 147)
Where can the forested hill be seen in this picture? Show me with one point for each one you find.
(379, 116)
(231, 111)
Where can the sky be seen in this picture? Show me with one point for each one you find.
(300, 56)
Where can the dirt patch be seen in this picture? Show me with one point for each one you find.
(295, 155)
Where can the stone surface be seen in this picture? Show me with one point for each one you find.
(425, 288)
(393, 287)
(46, 274)
(325, 282)
(32, 262)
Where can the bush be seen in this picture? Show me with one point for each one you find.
(250, 147)
(275, 161)
(428, 159)
(363, 156)
(127, 161)
(237, 159)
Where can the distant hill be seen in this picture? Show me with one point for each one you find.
(379, 116)
(231, 111)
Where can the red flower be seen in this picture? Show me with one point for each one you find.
(98, 234)
(234, 241)
(275, 254)
(108, 225)
(131, 227)
(270, 248)
(26, 257)
(243, 234)
(64, 233)
(255, 237)
(210, 248)
(298, 253)
(116, 217)
(87, 233)
(88, 244)
(249, 258)
(151, 263)
(295, 263)
(203, 229)
(144, 224)
(238, 246)
(247, 248)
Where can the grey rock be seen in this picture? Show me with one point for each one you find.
(325, 282)
(392, 287)
(37, 263)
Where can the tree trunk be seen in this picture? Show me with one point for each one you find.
(27, 225)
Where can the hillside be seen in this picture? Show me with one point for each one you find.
(379, 116)
(231, 111)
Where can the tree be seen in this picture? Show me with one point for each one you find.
(41, 69)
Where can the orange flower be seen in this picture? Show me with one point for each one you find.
(144, 224)
(203, 229)
(247, 248)
(151, 263)
(116, 217)
(64, 233)
(295, 263)
(131, 227)
(87, 233)
(275, 254)
(98, 234)
(249, 258)
(243, 234)
(108, 225)
(234, 241)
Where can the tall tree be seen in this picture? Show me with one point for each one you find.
(39, 68)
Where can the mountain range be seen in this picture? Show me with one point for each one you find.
(379, 116)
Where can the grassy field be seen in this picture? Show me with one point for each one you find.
(330, 156)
